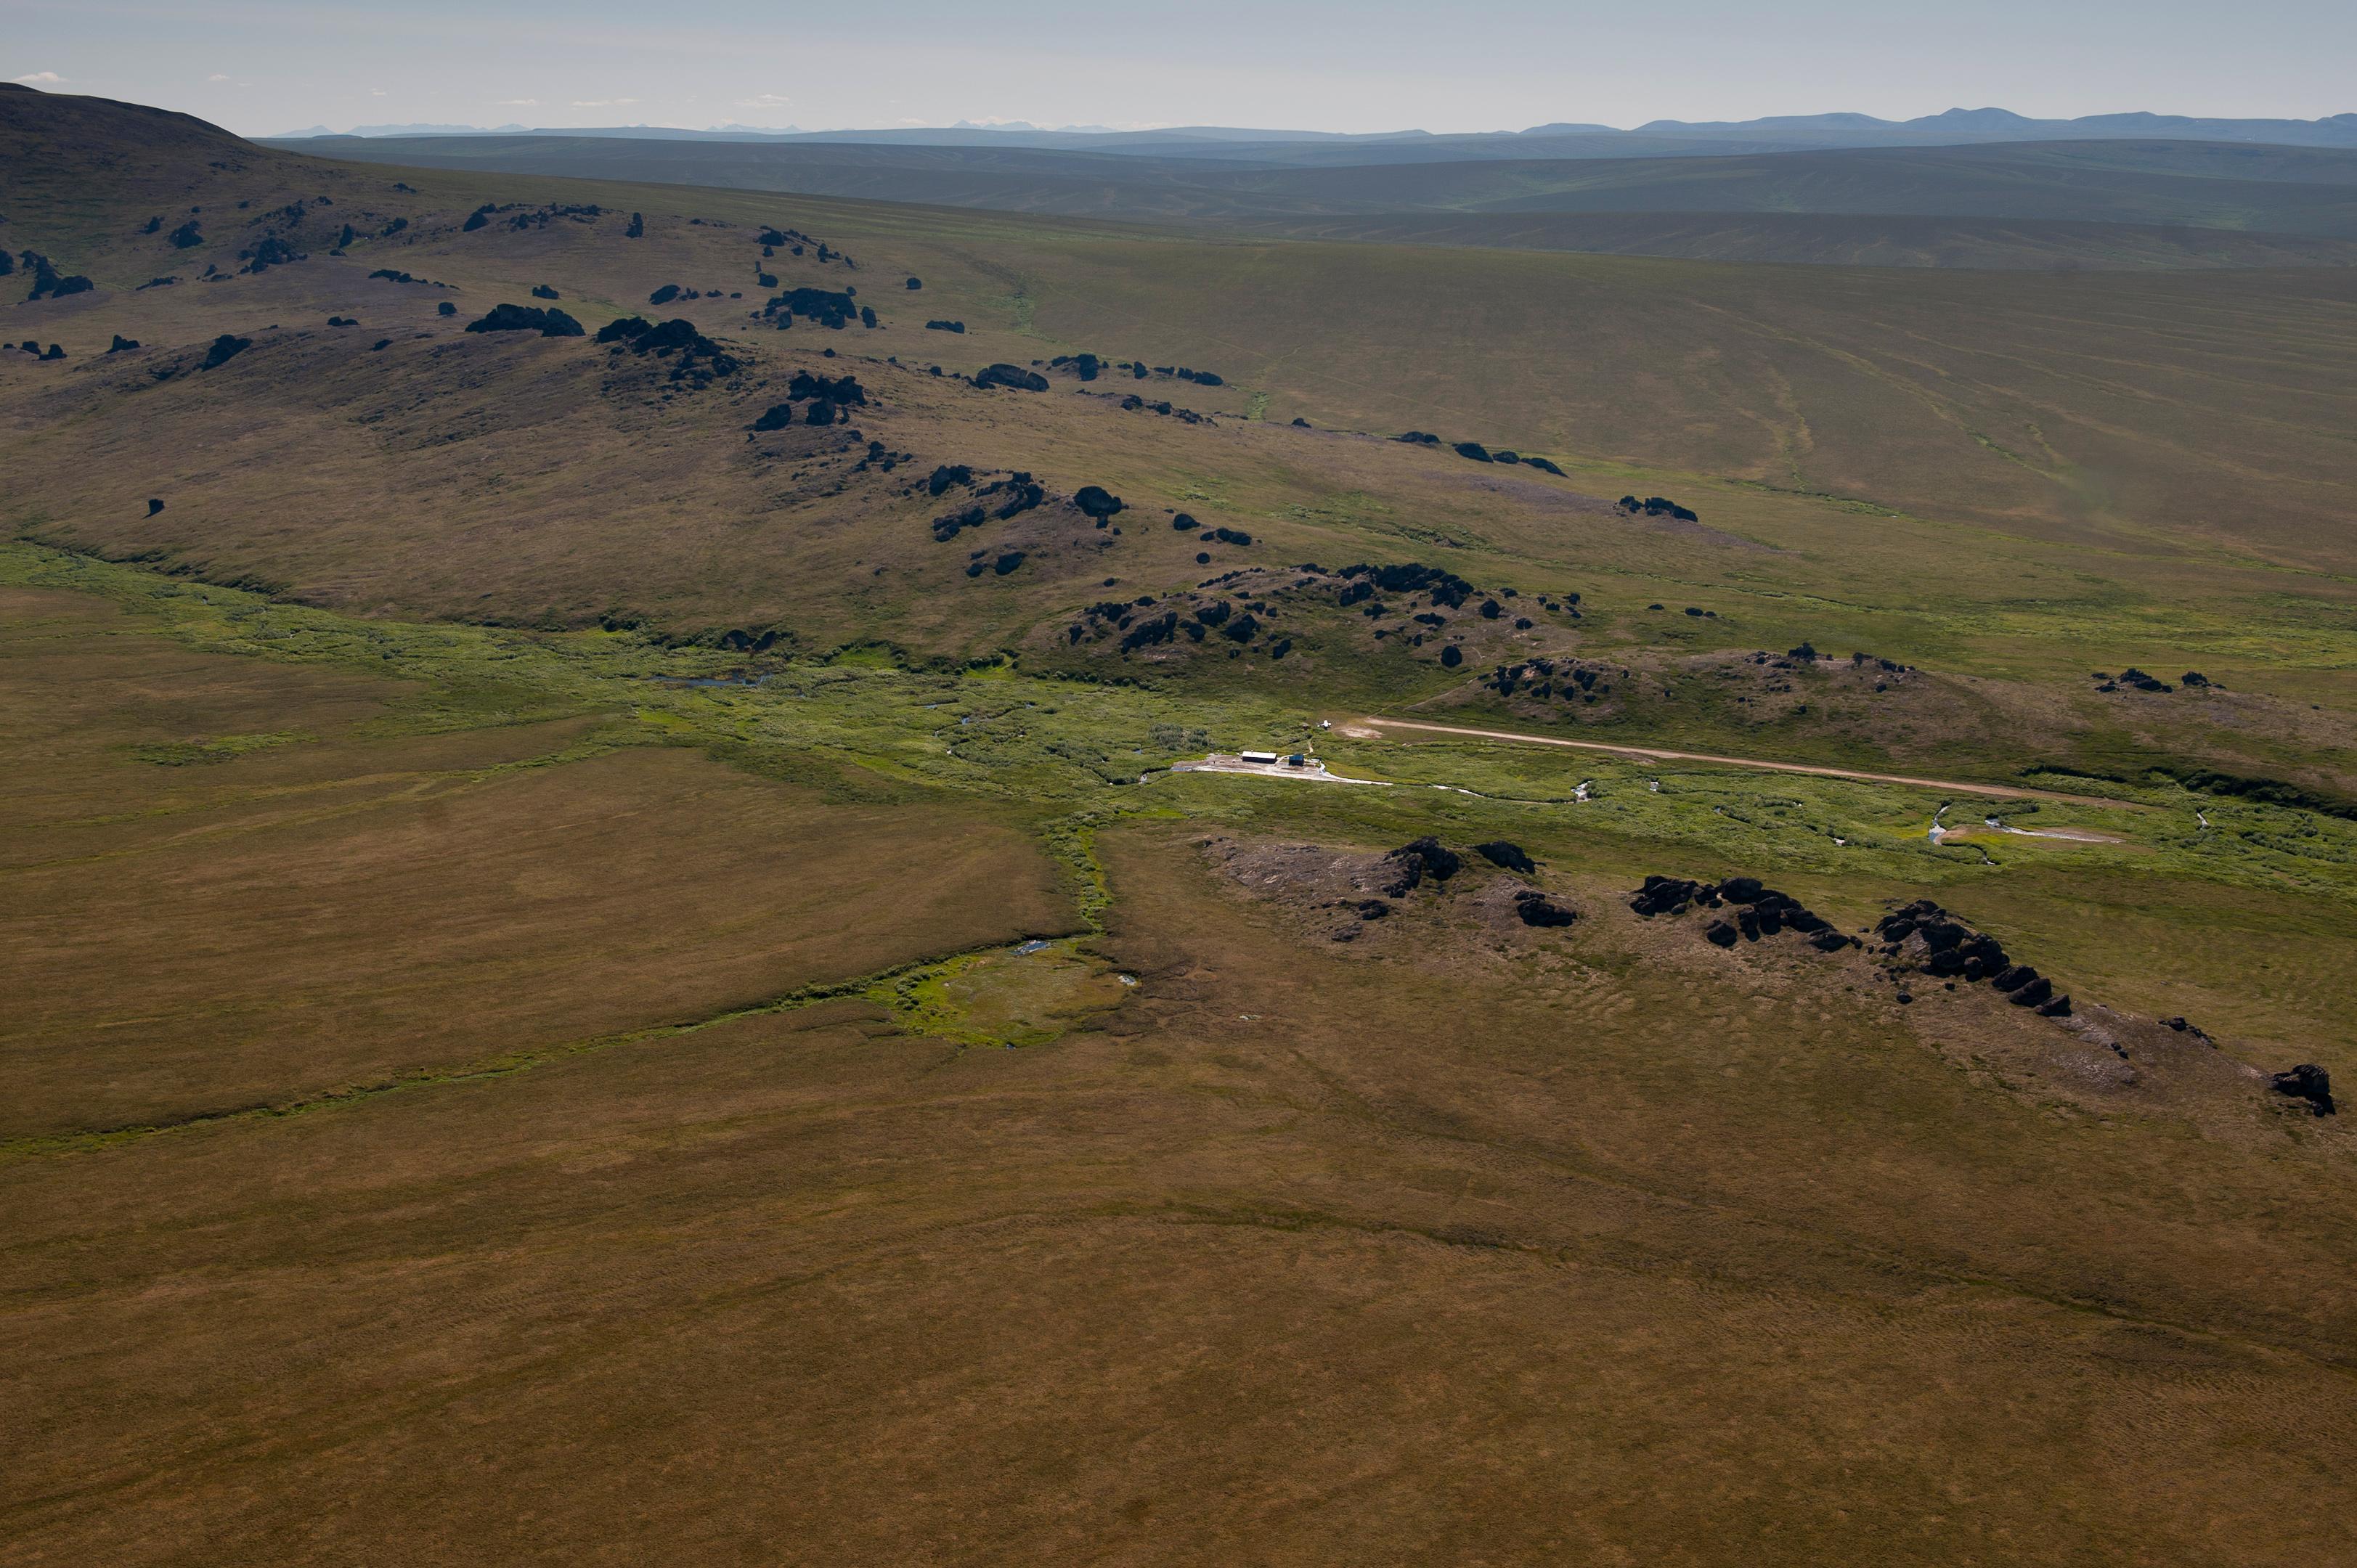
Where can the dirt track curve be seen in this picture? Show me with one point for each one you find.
(1662, 753)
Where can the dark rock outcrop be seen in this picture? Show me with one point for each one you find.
(1511, 856)
(1014, 376)
(527, 318)
(1759, 911)
(831, 308)
(1022, 492)
(843, 389)
(1535, 909)
(49, 283)
(694, 359)
(1096, 501)
(1673, 895)
(225, 348)
(1406, 867)
(1656, 505)
(2308, 1082)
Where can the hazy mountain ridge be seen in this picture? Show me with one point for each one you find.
(1950, 128)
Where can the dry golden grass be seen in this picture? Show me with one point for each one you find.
(1448, 1258)
(201, 938)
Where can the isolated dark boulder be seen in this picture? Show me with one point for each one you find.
(914, 285)
(2307, 1082)
(2014, 978)
(1475, 450)
(1235, 536)
(225, 348)
(541, 291)
(187, 236)
(1183, 522)
(2031, 995)
(637, 228)
(1373, 908)
(1452, 656)
(446, 309)
(121, 345)
(1511, 856)
(154, 505)
(1008, 563)
(1418, 438)
(477, 217)
(2055, 1007)
(1014, 376)
(1720, 933)
(664, 294)
(944, 326)
(527, 318)
(776, 417)
(1543, 465)
(55, 352)
(1096, 501)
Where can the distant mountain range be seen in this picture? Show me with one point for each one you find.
(1775, 133)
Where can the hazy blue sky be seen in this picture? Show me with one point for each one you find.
(260, 65)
